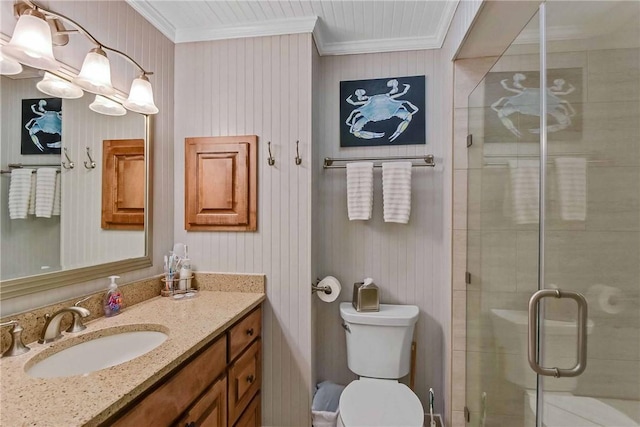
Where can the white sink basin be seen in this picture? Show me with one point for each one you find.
(99, 353)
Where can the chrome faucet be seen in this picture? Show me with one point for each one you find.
(51, 329)
(17, 347)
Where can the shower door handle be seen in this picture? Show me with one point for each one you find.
(581, 363)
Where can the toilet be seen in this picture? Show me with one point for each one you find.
(561, 407)
(379, 352)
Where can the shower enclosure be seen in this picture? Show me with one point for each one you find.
(553, 223)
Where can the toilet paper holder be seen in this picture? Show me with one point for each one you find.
(315, 288)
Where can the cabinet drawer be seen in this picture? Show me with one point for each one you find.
(251, 417)
(245, 377)
(244, 332)
(163, 406)
(210, 410)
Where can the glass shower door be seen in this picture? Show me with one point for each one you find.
(502, 235)
(591, 230)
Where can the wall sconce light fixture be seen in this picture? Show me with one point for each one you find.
(32, 45)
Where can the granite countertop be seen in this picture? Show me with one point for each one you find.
(90, 399)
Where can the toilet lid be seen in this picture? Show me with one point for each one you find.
(380, 403)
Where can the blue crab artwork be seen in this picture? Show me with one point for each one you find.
(378, 108)
(47, 121)
(526, 101)
(382, 111)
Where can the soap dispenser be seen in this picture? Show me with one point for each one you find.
(113, 298)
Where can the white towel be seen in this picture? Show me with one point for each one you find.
(525, 192)
(32, 195)
(359, 190)
(571, 173)
(57, 196)
(396, 191)
(45, 189)
(19, 192)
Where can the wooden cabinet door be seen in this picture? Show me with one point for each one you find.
(123, 183)
(245, 377)
(210, 410)
(251, 417)
(221, 183)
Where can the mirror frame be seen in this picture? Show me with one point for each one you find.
(43, 282)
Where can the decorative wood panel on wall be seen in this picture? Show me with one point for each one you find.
(123, 184)
(221, 183)
(259, 86)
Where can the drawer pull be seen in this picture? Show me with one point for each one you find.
(250, 379)
(250, 332)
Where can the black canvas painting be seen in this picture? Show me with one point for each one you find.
(389, 111)
(41, 131)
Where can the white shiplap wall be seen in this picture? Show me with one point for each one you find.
(118, 25)
(259, 86)
(404, 260)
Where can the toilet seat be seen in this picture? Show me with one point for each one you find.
(374, 402)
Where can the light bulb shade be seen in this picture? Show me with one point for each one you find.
(106, 106)
(141, 97)
(9, 66)
(58, 87)
(95, 75)
(31, 42)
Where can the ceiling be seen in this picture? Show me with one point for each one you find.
(339, 27)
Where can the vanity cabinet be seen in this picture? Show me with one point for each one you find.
(218, 387)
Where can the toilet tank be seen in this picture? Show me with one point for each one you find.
(379, 343)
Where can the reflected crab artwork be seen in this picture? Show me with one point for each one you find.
(513, 99)
(41, 126)
(389, 111)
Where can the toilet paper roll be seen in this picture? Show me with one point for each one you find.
(332, 283)
(606, 298)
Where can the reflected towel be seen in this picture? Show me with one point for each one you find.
(396, 191)
(57, 196)
(571, 173)
(32, 195)
(19, 193)
(45, 189)
(524, 177)
(359, 190)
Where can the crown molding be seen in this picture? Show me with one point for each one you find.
(375, 46)
(148, 12)
(275, 27)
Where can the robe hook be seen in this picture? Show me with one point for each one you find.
(91, 164)
(71, 163)
(298, 158)
(270, 160)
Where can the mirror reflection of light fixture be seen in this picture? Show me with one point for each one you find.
(31, 42)
(95, 75)
(106, 106)
(9, 66)
(58, 87)
(141, 97)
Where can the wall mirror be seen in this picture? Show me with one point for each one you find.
(41, 253)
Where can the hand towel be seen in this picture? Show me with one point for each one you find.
(32, 195)
(396, 191)
(525, 192)
(57, 196)
(19, 193)
(359, 190)
(571, 173)
(45, 188)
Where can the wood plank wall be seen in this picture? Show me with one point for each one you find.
(259, 86)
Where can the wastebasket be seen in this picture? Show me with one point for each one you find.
(326, 401)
